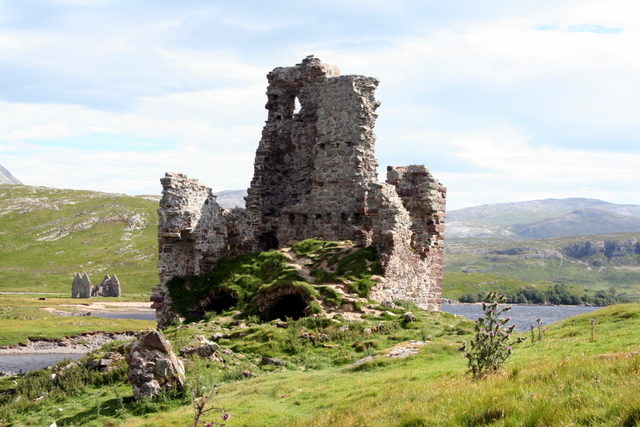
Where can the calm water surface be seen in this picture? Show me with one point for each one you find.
(31, 361)
(151, 315)
(523, 316)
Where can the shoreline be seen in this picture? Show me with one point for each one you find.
(77, 344)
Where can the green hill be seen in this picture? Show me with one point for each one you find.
(48, 234)
(582, 262)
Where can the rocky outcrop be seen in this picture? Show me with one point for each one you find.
(153, 366)
(609, 248)
(7, 178)
(315, 176)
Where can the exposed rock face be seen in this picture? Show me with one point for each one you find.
(81, 286)
(609, 248)
(153, 366)
(314, 176)
(7, 178)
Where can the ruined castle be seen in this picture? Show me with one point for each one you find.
(315, 175)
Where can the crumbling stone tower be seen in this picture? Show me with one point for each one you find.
(315, 175)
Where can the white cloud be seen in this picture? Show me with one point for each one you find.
(209, 103)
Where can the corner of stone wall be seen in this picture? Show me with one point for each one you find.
(192, 235)
(408, 230)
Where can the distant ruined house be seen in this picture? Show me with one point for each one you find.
(81, 287)
(315, 176)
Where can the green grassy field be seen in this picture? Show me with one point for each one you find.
(47, 235)
(567, 378)
(473, 264)
(22, 317)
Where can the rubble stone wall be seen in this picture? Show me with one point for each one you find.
(315, 175)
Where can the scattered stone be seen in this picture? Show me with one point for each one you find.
(405, 349)
(153, 366)
(201, 347)
(7, 374)
(360, 362)
(272, 361)
(249, 374)
(107, 363)
(281, 324)
(218, 336)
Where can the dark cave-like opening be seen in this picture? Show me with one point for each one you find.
(268, 241)
(219, 301)
(286, 306)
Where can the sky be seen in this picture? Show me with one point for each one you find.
(502, 100)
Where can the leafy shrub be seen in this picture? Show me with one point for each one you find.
(492, 344)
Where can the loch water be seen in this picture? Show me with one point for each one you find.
(522, 315)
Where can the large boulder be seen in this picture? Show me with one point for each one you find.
(153, 366)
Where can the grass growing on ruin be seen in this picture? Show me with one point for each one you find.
(339, 262)
(567, 378)
(246, 277)
(240, 276)
(23, 317)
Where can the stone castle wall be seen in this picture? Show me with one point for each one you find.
(315, 175)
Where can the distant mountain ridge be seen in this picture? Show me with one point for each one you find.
(7, 178)
(546, 218)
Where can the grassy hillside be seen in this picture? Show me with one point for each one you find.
(505, 264)
(47, 234)
(570, 377)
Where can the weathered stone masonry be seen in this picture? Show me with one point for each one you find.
(314, 176)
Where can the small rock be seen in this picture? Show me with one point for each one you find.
(361, 361)
(105, 364)
(388, 304)
(272, 361)
(249, 374)
(201, 347)
(409, 317)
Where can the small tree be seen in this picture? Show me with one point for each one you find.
(492, 344)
